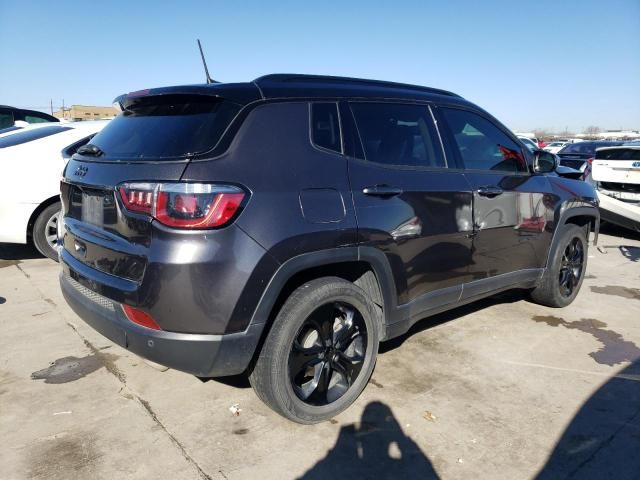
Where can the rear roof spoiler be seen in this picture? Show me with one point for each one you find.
(228, 91)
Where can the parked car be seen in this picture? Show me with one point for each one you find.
(531, 145)
(29, 211)
(554, 147)
(616, 174)
(10, 115)
(579, 155)
(283, 227)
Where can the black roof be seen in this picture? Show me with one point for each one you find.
(284, 85)
(25, 111)
(295, 85)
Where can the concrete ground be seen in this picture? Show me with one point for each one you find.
(502, 389)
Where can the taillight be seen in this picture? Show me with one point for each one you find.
(139, 317)
(138, 197)
(590, 160)
(184, 205)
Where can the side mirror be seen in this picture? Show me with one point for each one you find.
(544, 162)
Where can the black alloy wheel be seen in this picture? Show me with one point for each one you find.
(328, 353)
(571, 267)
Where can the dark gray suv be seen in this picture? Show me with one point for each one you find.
(283, 227)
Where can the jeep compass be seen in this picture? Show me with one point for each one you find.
(281, 228)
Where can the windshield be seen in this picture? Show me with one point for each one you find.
(531, 146)
(30, 135)
(165, 127)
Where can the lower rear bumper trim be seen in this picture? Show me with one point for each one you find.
(200, 355)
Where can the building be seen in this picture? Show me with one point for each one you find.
(612, 135)
(85, 112)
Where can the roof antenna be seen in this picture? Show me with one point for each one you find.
(204, 62)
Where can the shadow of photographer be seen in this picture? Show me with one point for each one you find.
(603, 438)
(377, 448)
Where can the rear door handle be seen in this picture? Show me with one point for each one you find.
(382, 191)
(490, 192)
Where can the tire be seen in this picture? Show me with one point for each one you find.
(563, 268)
(325, 334)
(44, 228)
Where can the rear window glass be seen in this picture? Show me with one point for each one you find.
(30, 135)
(619, 154)
(580, 147)
(165, 127)
(586, 147)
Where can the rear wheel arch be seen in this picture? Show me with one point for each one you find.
(365, 267)
(37, 212)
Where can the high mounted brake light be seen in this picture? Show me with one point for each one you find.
(184, 205)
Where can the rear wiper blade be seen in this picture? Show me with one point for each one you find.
(91, 150)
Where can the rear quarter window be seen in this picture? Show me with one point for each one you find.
(325, 126)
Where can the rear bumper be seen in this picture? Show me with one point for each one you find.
(620, 213)
(201, 355)
(14, 218)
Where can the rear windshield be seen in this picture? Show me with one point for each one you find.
(580, 147)
(618, 154)
(30, 135)
(586, 147)
(165, 127)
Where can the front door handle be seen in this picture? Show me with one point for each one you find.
(488, 191)
(382, 191)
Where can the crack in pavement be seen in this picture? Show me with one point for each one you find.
(173, 439)
(116, 372)
(120, 376)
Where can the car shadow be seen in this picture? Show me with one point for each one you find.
(616, 231)
(17, 252)
(630, 253)
(509, 296)
(603, 438)
(376, 448)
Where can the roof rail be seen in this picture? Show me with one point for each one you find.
(302, 78)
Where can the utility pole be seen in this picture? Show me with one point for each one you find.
(51, 105)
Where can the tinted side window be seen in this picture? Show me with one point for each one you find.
(482, 145)
(395, 134)
(35, 119)
(6, 119)
(325, 126)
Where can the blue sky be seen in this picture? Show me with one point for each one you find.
(552, 64)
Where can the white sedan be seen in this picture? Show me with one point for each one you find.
(615, 171)
(555, 147)
(31, 164)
